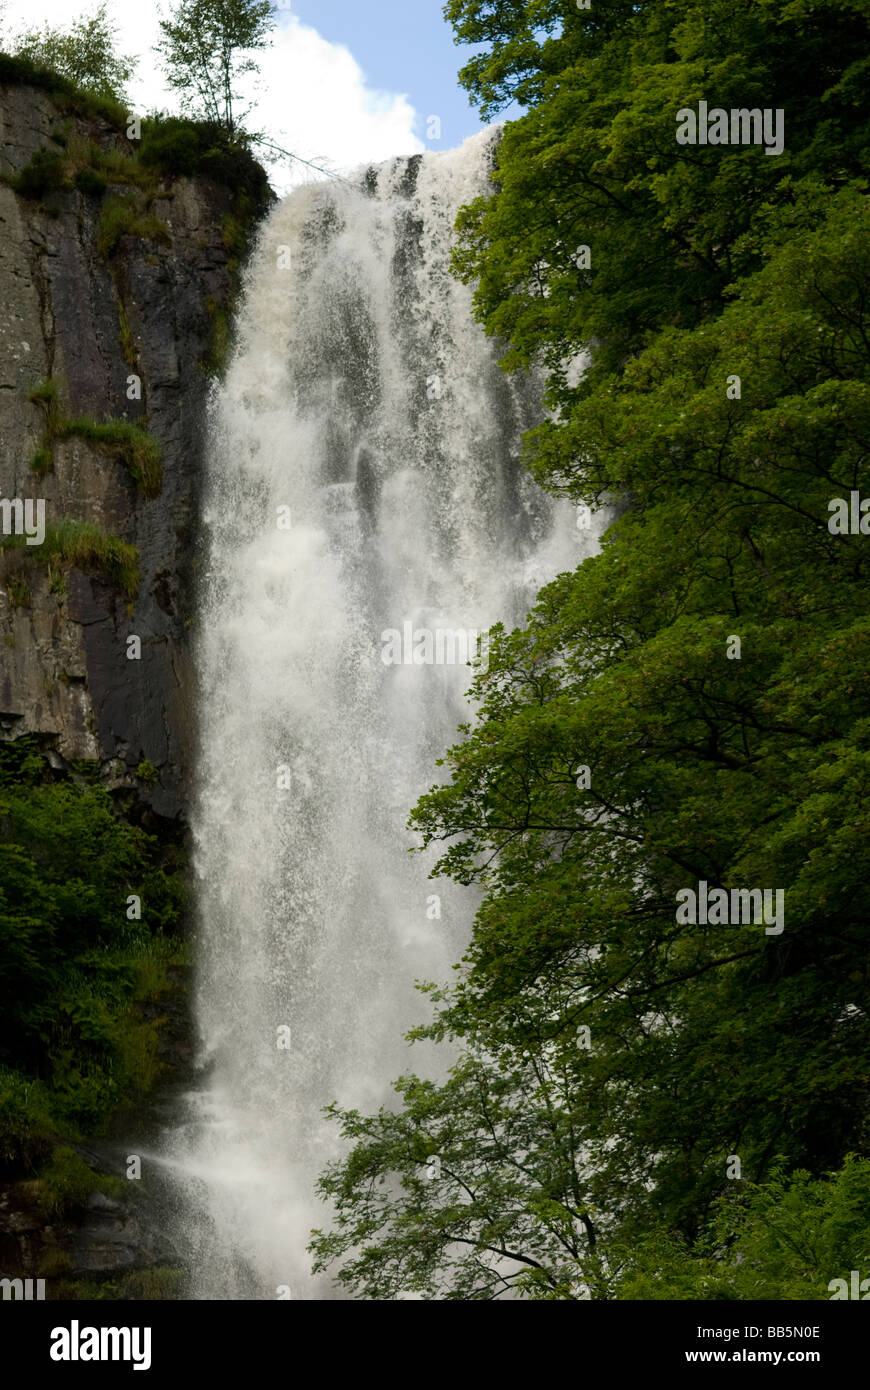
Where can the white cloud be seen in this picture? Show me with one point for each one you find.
(311, 96)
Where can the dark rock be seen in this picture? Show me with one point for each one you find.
(64, 672)
(98, 1201)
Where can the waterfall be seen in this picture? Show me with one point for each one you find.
(364, 489)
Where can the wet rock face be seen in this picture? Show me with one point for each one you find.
(106, 1240)
(112, 1238)
(110, 1242)
(89, 320)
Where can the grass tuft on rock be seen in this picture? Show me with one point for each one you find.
(68, 1183)
(79, 544)
(136, 449)
(120, 217)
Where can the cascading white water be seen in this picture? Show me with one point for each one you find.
(364, 401)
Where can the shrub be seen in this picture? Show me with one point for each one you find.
(173, 145)
(159, 954)
(24, 72)
(68, 1182)
(122, 217)
(203, 149)
(170, 145)
(27, 1120)
(85, 53)
(120, 167)
(91, 182)
(46, 173)
(57, 582)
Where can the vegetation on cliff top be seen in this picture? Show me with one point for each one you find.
(206, 46)
(130, 163)
(85, 53)
(168, 147)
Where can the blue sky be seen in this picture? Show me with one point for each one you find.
(402, 46)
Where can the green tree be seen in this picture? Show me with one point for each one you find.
(85, 53)
(207, 46)
(73, 964)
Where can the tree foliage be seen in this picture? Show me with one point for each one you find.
(612, 1061)
(207, 46)
(85, 53)
(73, 962)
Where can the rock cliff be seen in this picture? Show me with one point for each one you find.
(119, 266)
(113, 289)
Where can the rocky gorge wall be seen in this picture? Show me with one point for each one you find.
(118, 276)
(88, 314)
